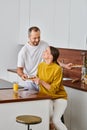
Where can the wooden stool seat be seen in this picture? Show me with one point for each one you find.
(28, 119)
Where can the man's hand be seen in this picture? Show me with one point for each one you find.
(24, 77)
(21, 73)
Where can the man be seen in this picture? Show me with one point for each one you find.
(31, 55)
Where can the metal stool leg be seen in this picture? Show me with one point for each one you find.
(28, 128)
(62, 118)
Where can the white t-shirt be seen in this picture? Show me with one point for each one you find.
(30, 56)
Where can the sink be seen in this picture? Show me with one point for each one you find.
(67, 79)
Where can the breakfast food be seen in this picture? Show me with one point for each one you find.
(76, 66)
(31, 78)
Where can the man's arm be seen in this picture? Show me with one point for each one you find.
(21, 73)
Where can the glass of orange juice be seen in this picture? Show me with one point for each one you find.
(15, 86)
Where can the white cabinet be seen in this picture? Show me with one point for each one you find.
(9, 112)
(75, 114)
(79, 110)
(42, 15)
(61, 23)
(51, 16)
(78, 24)
(24, 20)
(67, 114)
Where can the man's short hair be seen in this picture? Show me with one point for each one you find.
(34, 28)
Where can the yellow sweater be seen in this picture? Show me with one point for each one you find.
(52, 74)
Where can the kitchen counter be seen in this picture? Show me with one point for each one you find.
(76, 85)
(68, 83)
(7, 95)
(13, 104)
(12, 70)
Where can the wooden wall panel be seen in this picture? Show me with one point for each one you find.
(72, 56)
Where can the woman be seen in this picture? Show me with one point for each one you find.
(49, 80)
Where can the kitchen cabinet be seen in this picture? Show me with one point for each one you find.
(78, 24)
(12, 107)
(78, 110)
(24, 20)
(42, 15)
(51, 16)
(67, 114)
(61, 23)
(37, 13)
(75, 114)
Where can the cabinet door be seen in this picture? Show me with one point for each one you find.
(67, 114)
(61, 23)
(79, 110)
(24, 21)
(78, 24)
(42, 15)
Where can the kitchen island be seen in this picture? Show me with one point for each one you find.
(13, 104)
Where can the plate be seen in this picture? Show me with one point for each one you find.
(31, 78)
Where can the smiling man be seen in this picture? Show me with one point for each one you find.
(31, 54)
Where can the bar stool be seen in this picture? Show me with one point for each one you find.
(28, 120)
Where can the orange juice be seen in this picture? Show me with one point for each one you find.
(15, 95)
(15, 87)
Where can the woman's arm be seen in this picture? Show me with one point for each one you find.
(66, 66)
(43, 83)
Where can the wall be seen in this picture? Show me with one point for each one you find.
(10, 18)
(9, 34)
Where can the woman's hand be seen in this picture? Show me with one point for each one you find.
(43, 83)
(36, 80)
(68, 66)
